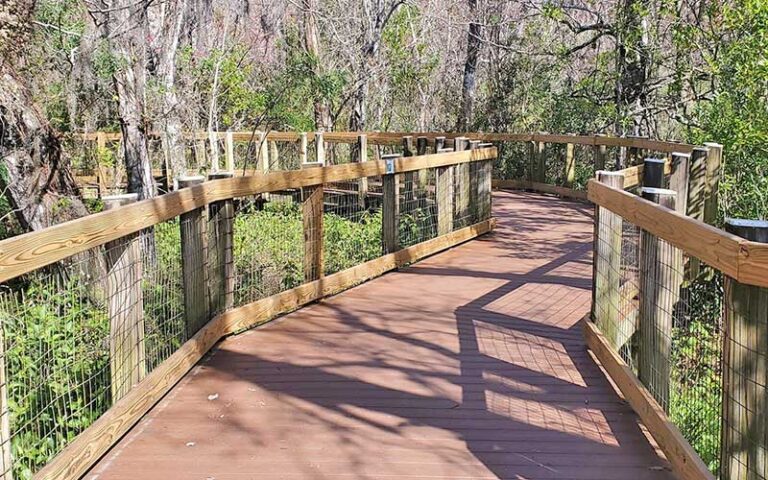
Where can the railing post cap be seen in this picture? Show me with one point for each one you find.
(681, 154)
(752, 230)
(608, 173)
(220, 175)
(658, 191)
(713, 145)
(187, 181)
(114, 201)
(654, 160)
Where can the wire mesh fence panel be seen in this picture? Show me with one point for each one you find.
(268, 245)
(351, 226)
(417, 207)
(77, 336)
(513, 161)
(666, 323)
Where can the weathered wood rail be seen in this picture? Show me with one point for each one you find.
(317, 145)
(649, 249)
(207, 271)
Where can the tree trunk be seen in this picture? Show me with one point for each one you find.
(38, 182)
(322, 109)
(126, 28)
(633, 65)
(469, 84)
(168, 29)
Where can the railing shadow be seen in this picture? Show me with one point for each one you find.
(505, 390)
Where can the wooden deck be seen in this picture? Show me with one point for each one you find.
(469, 364)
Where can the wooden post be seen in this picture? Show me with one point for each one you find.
(362, 157)
(221, 218)
(744, 452)
(484, 182)
(274, 156)
(600, 153)
(570, 166)
(423, 174)
(444, 183)
(653, 172)
(541, 163)
(696, 182)
(661, 276)
(463, 186)
(213, 141)
(678, 180)
(607, 264)
(697, 178)
(193, 269)
(319, 148)
(303, 148)
(263, 151)
(127, 356)
(408, 150)
(312, 219)
(390, 208)
(409, 178)
(199, 151)
(712, 182)
(421, 145)
(101, 149)
(230, 150)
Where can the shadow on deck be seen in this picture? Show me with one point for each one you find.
(469, 364)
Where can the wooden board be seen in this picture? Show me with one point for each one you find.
(75, 460)
(395, 138)
(684, 459)
(719, 249)
(541, 187)
(25, 253)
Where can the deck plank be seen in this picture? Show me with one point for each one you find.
(469, 364)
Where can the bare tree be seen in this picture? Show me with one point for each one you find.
(376, 15)
(322, 110)
(39, 183)
(166, 22)
(124, 25)
(469, 83)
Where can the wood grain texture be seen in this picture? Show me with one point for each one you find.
(685, 462)
(541, 188)
(25, 253)
(719, 249)
(75, 460)
(395, 138)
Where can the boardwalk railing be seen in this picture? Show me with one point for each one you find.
(101, 316)
(680, 316)
(559, 164)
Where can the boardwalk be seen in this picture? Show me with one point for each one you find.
(469, 364)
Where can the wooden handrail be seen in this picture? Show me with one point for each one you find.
(740, 259)
(395, 138)
(30, 251)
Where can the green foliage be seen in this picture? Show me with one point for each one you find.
(57, 368)
(696, 393)
(737, 117)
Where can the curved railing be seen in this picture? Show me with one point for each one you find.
(101, 316)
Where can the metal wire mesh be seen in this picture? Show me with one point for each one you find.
(267, 246)
(78, 335)
(665, 320)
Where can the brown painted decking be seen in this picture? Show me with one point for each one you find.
(469, 364)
